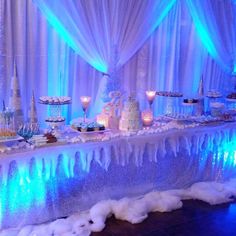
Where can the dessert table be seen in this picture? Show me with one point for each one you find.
(56, 180)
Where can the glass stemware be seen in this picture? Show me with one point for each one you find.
(85, 101)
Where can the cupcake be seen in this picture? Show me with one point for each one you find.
(96, 126)
(90, 127)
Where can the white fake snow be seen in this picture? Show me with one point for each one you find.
(133, 210)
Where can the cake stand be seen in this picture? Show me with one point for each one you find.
(188, 109)
(171, 102)
(231, 103)
(55, 120)
(212, 98)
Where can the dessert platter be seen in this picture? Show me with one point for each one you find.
(190, 101)
(169, 94)
(231, 97)
(12, 139)
(214, 94)
(88, 127)
(55, 100)
(46, 139)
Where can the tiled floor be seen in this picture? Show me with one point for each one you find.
(195, 218)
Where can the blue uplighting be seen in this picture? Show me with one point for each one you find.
(206, 34)
(164, 12)
(234, 69)
(203, 33)
(62, 31)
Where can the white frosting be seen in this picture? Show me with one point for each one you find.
(130, 116)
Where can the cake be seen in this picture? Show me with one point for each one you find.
(130, 116)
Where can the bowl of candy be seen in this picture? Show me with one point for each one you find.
(27, 131)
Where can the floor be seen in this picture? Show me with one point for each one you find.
(195, 218)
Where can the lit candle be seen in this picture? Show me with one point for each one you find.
(103, 119)
(147, 118)
(85, 101)
(150, 96)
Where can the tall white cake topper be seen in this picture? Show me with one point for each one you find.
(200, 106)
(201, 88)
(15, 98)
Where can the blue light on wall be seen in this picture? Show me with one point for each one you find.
(62, 31)
(207, 34)
(164, 13)
(202, 31)
(234, 69)
(97, 63)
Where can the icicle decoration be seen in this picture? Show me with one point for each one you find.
(81, 174)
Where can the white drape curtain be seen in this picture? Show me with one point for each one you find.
(106, 34)
(172, 58)
(216, 24)
(44, 62)
(94, 27)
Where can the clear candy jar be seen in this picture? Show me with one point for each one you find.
(217, 108)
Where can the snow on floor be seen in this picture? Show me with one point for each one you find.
(133, 210)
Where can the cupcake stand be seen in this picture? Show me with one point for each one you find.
(55, 119)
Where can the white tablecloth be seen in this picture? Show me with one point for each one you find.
(51, 182)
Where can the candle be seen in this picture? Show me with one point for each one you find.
(147, 118)
(103, 119)
(150, 95)
(85, 101)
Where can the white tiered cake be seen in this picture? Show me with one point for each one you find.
(130, 116)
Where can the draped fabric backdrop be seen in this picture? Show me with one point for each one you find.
(216, 25)
(105, 33)
(172, 57)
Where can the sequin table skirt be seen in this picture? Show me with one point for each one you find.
(47, 183)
